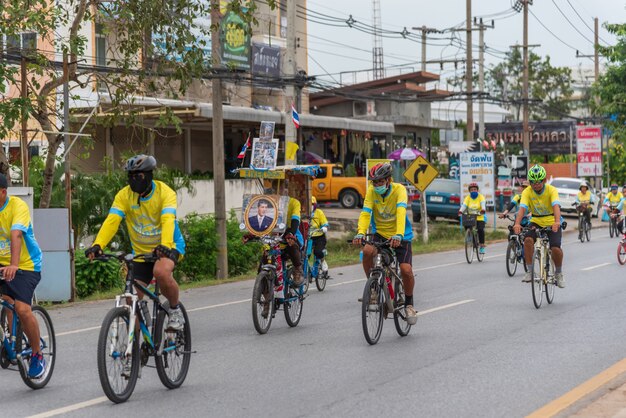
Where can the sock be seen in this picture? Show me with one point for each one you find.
(174, 307)
(558, 269)
(408, 300)
(529, 266)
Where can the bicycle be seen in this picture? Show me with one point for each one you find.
(314, 271)
(265, 300)
(469, 221)
(542, 269)
(16, 349)
(383, 293)
(584, 226)
(120, 356)
(621, 246)
(612, 210)
(515, 250)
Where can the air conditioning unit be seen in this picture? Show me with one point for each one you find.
(364, 108)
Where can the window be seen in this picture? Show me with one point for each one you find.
(337, 172)
(23, 43)
(321, 174)
(101, 50)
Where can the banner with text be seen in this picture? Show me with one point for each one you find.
(478, 167)
(589, 150)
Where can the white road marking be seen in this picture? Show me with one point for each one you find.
(450, 305)
(219, 305)
(70, 408)
(76, 331)
(348, 282)
(595, 267)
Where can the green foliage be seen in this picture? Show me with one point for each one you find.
(201, 254)
(96, 276)
(350, 170)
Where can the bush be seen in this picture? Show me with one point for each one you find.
(200, 260)
(96, 276)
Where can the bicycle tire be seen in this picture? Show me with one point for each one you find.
(48, 349)
(612, 228)
(550, 284)
(320, 280)
(581, 230)
(182, 352)
(121, 315)
(511, 254)
(588, 231)
(469, 246)
(372, 314)
(480, 257)
(263, 293)
(399, 316)
(621, 253)
(537, 281)
(292, 307)
(308, 278)
(5, 361)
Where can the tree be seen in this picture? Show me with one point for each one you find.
(549, 87)
(138, 66)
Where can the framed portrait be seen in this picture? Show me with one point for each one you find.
(263, 214)
(264, 153)
(266, 133)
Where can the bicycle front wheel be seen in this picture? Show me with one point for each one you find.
(479, 256)
(588, 231)
(621, 252)
(399, 313)
(511, 258)
(581, 229)
(320, 280)
(612, 228)
(173, 363)
(372, 308)
(469, 246)
(293, 307)
(47, 342)
(117, 371)
(536, 272)
(263, 302)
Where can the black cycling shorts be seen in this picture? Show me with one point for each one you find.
(554, 237)
(23, 285)
(404, 253)
(144, 272)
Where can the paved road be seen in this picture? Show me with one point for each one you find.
(480, 348)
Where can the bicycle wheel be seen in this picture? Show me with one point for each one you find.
(621, 252)
(48, 349)
(550, 284)
(372, 308)
(112, 345)
(5, 361)
(469, 246)
(308, 278)
(612, 228)
(173, 363)
(511, 258)
(263, 298)
(581, 229)
(479, 256)
(293, 307)
(320, 280)
(588, 231)
(399, 313)
(536, 271)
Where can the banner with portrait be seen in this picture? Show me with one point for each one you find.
(264, 153)
(264, 214)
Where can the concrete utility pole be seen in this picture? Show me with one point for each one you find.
(24, 136)
(219, 178)
(481, 75)
(68, 178)
(425, 30)
(468, 73)
(525, 116)
(291, 133)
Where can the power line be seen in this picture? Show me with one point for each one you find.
(584, 21)
(570, 22)
(552, 33)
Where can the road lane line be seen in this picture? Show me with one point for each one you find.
(452, 264)
(450, 305)
(202, 308)
(579, 392)
(595, 267)
(348, 282)
(70, 408)
(76, 331)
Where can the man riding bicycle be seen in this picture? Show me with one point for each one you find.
(319, 225)
(475, 202)
(584, 201)
(149, 208)
(542, 201)
(385, 210)
(612, 200)
(20, 258)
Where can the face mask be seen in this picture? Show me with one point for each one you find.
(381, 190)
(141, 185)
(474, 195)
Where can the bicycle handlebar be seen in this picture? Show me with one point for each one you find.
(377, 244)
(127, 258)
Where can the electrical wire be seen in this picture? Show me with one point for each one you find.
(552, 33)
(584, 21)
(571, 24)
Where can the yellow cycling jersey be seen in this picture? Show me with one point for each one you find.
(584, 198)
(318, 220)
(386, 214)
(293, 213)
(15, 216)
(475, 205)
(516, 199)
(150, 220)
(613, 199)
(541, 205)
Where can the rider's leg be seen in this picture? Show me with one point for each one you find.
(163, 273)
(369, 252)
(404, 254)
(21, 290)
(557, 256)
(480, 225)
(29, 324)
(293, 252)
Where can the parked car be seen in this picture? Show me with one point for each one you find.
(443, 198)
(332, 185)
(568, 188)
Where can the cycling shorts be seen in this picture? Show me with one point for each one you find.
(404, 253)
(554, 237)
(23, 285)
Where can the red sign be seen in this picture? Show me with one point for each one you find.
(589, 150)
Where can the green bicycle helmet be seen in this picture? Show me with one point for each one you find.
(536, 173)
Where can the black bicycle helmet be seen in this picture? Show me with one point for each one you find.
(141, 162)
(380, 171)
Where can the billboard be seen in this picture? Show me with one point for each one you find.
(265, 60)
(546, 137)
(235, 42)
(589, 150)
(478, 167)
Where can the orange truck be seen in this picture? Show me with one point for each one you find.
(332, 185)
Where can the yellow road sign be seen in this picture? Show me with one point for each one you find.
(421, 173)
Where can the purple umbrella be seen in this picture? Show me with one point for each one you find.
(313, 158)
(406, 154)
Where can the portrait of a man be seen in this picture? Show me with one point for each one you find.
(261, 221)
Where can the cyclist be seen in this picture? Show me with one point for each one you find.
(385, 210)
(476, 202)
(516, 199)
(541, 200)
(584, 201)
(624, 191)
(612, 199)
(149, 208)
(320, 224)
(20, 258)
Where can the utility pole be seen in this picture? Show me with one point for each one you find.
(425, 30)
(469, 73)
(219, 180)
(525, 116)
(481, 75)
(24, 136)
(291, 133)
(68, 178)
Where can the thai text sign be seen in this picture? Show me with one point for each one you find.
(546, 137)
(235, 42)
(589, 150)
(478, 167)
(266, 60)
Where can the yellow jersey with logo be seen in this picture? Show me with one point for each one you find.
(541, 205)
(475, 205)
(584, 197)
(150, 220)
(15, 216)
(386, 214)
(613, 199)
(318, 220)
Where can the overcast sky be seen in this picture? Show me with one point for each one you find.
(397, 14)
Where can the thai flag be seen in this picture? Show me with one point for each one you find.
(242, 154)
(295, 117)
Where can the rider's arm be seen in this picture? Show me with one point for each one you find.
(556, 205)
(168, 218)
(401, 204)
(463, 207)
(483, 204)
(523, 208)
(577, 200)
(323, 222)
(112, 222)
(366, 214)
(294, 222)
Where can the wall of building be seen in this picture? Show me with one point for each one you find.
(202, 201)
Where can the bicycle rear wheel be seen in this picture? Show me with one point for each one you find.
(48, 349)
(479, 256)
(550, 284)
(320, 280)
(173, 363)
(536, 271)
(511, 258)
(263, 301)
(469, 246)
(372, 308)
(293, 307)
(612, 228)
(399, 313)
(621, 252)
(112, 345)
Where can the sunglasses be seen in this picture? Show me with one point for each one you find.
(536, 182)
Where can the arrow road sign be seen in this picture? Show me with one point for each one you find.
(421, 173)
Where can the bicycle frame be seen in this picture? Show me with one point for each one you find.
(272, 261)
(387, 286)
(9, 341)
(542, 245)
